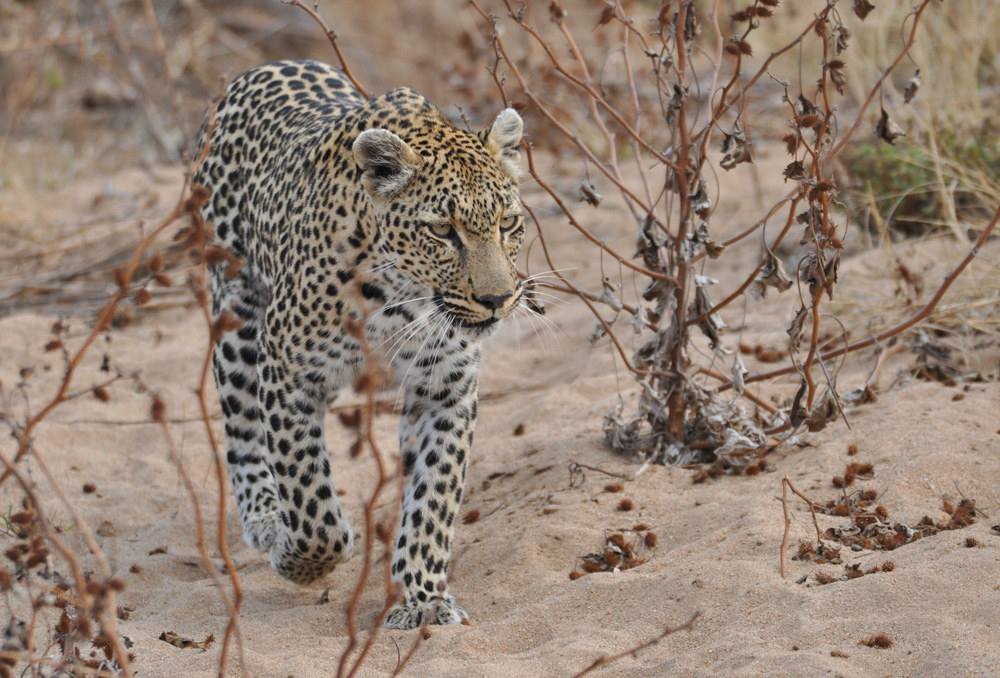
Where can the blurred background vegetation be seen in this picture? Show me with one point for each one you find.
(106, 84)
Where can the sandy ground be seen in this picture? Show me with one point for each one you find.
(718, 542)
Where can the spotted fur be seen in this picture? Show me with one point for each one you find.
(341, 207)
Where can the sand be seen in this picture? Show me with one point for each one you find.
(718, 542)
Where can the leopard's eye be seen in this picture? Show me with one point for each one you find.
(441, 229)
(509, 223)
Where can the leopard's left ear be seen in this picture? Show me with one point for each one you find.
(503, 137)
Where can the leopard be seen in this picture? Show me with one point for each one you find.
(366, 229)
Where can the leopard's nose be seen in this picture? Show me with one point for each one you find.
(494, 301)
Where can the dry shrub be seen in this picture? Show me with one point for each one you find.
(624, 100)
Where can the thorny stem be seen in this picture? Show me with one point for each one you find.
(548, 115)
(184, 206)
(109, 625)
(332, 37)
(885, 74)
(677, 412)
(366, 432)
(604, 660)
(901, 327)
(220, 474)
(753, 275)
(584, 297)
(788, 523)
(684, 164)
(587, 234)
(786, 484)
(232, 605)
(636, 108)
(585, 85)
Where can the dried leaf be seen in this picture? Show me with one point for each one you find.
(838, 74)
(674, 105)
(692, 27)
(860, 396)
(887, 130)
(911, 88)
(830, 270)
(843, 36)
(657, 289)
(740, 373)
(712, 324)
(795, 329)
(734, 444)
(863, 8)
(699, 200)
(823, 412)
(649, 242)
(805, 107)
(736, 147)
(702, 236)
(798, 412)
(773, 274)
(177, 640)
(598, 334)
(819, 273)
(589, 194)
(608, 294)
(794, 171)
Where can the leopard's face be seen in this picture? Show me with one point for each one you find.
(450, 214)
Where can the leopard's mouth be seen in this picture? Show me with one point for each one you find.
(458, 319)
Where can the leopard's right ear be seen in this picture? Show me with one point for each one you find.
(386, 161)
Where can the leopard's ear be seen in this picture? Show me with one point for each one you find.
(386, 161)
(503, 137)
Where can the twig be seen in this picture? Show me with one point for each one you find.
(787, 484)
(604, 660)
(331, 35)
(917, 317)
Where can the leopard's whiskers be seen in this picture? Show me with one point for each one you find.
(408, 330)
(442, 319)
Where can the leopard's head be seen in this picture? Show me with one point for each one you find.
(449, 211)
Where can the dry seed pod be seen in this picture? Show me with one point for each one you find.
(911, 88)
(863, 8)
(887, 130)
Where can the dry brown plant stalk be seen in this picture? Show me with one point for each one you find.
(331, 35)
(656, 113)
(88, 594)
(604, 660)
(786, 485)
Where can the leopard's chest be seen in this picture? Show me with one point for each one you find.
(406, 333)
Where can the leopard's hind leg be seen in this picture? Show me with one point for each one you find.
(235, 368)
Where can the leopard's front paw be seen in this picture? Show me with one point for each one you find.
(261, 531)
(410, 615)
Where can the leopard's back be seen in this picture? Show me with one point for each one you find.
(271, 120)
